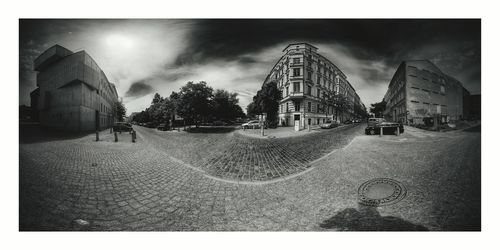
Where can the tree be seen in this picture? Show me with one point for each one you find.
(225, 105)
(253, 109)
(266, 101)
(378, 108)
(120, 111)
(157, 99)
(339, 102)
(194, 101)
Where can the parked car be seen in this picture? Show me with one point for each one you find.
(330, 124)
(122, 126)
(388, 128)
(347, 122)
(373, 121)
(251, 124)
(163, 127)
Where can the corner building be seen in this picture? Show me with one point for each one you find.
(303, 76)
(419, 89)
(73, 92)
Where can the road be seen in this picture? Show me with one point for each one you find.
(169, 181)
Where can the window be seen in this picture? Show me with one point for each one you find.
(309, 75)
(415, 101)
(317, 108)
(309, 89)
(296, 60)
(296, 72)
(308, 106)
(442, 89)
(297, 106)
(319, 93)
(287, 91)
(296, 87)
(286, 107)
(425, 90)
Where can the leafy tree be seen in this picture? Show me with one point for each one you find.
(225, 105)
(253, 109)
(266, 101)
(340, 103)
(157, 99)
(378, 108)
(194, 101)
(120, 111)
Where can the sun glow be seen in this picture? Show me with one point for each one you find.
(120, 42)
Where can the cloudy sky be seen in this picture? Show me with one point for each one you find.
(143, 57)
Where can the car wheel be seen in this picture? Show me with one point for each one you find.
(372, 131)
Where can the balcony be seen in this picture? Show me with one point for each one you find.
(296, 77)
(296, 64)
(294, 96)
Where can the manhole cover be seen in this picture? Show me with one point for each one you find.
(381, 192)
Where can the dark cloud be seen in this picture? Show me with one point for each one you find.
(368, 38)
(139, 89)
(226, 51)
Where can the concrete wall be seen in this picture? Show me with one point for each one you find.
(418, 90)
(72, 90)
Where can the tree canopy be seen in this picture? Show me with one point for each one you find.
(196, 102)
(266, 101)
(378, 108)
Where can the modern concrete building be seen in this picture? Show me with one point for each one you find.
(73, 92)
(303, 76)
(418, 90)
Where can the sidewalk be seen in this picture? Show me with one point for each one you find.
(282, 132)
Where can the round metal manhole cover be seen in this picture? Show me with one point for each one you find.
(381, 192)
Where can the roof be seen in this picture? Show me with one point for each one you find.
(50, 56)
(302, 43)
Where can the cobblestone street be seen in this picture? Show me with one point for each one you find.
(180, 181)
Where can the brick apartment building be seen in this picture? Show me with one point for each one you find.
(303, 76)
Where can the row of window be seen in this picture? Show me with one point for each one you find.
(435, 104)
(309, 108)
(442, 89)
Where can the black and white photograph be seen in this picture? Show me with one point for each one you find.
(249, 125)
(202, 125)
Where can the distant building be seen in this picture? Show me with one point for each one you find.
(303, 76)
(73, 92)
(419, 89)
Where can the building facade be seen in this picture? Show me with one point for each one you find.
(73, 92)
(418, 90)
(303, 77)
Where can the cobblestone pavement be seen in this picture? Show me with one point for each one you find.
(141, 186)
(237, 157)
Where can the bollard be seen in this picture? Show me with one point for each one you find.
(262, 130)
(111, 130)
(96, 135)
(397, 131)
(178, 129)
(133, 135)
(116, 137)
(309, 127)
(381, 131)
